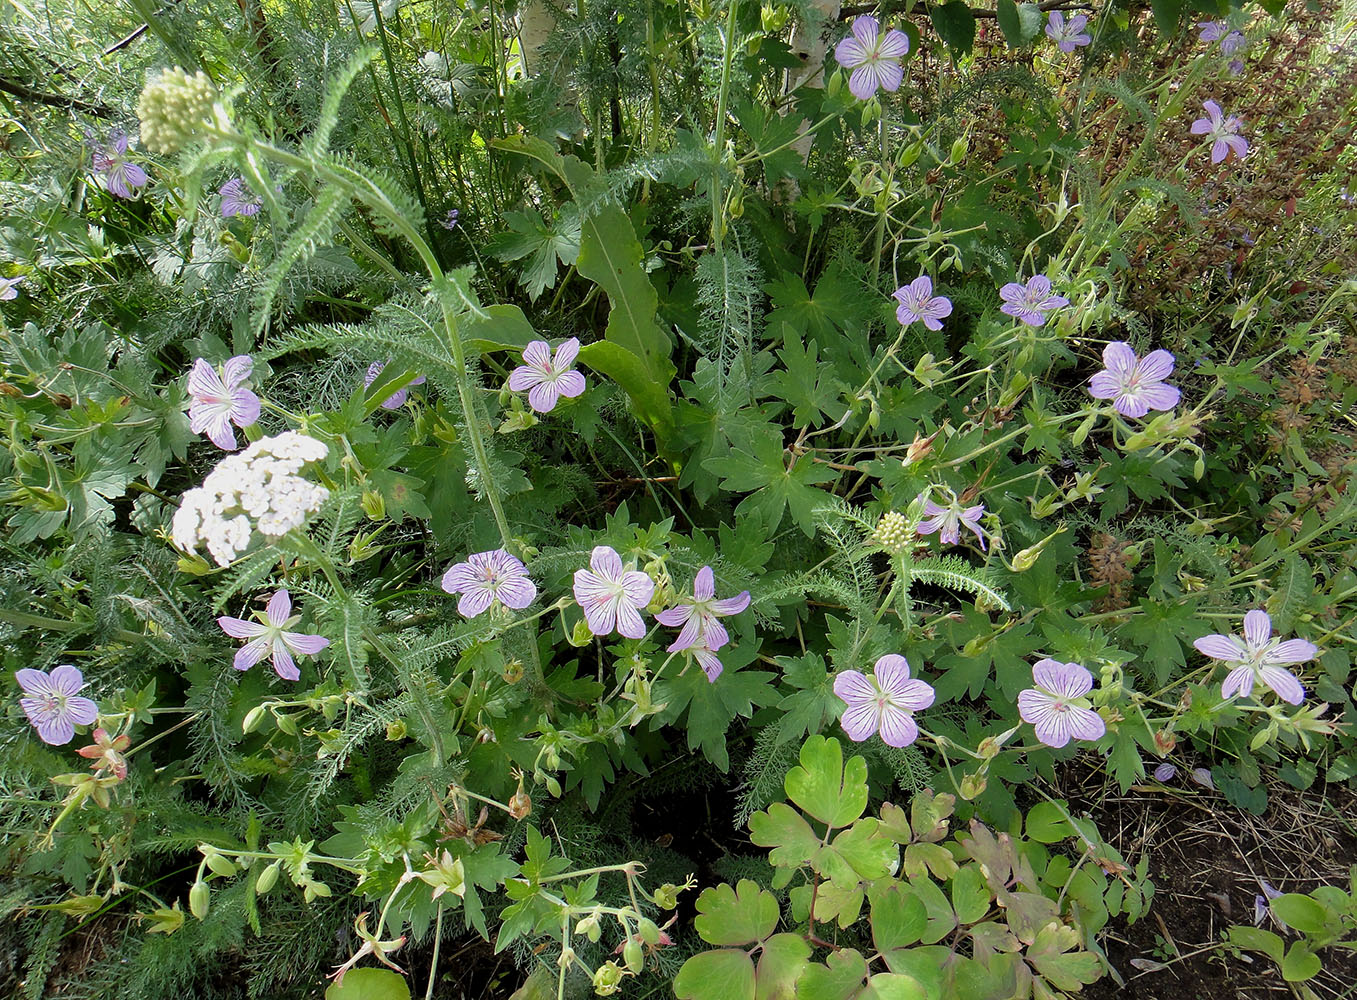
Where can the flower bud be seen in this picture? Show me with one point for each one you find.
(252, 719)
(892, 532)
(173, 108)
(648, 932)
(589, 927)
(972, 785)
(267, 879)
(198, 898)
(631, 955)
(373, 504)
(395, 730)
(666, 896)
(580, 634)
(520, 805)
(221, 865)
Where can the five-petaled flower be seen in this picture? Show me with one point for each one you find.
(918, 304)
(1212, 31)
(487, 577)
(237, 199)
(545, 377)
(398, 397)
(1070, 34)
(1057, 708)
(121, 176)
(220, 400)
(107, 752)
(872, 57)
(700, 618)
(1222, 130)
(1030, 302)
(9, 288)
(270, 635)
(884, 703)
(1258, 657)
(53, 704)
(947, 521)
(612, 596)
(1134, 386)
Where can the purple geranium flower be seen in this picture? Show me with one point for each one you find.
(918, 304)
(269, 635)
(611, 596)
(884, 703)
(1135, 387)
(220, 400)
(52, 702)
(1258, 657)
(544, 377)
(1031, 302)
(947, 521)
(1202, 776)
(1261, 901)
(699, 619)
(1057, 708)
(449, 221)
(1212, 31)
(9, 288)
(1069, 35)
(872, 57)
(1165, 772)
(1233, 42)
(1235, 66)
(396, 398)
(237, 199)
(121, 176)
(1222, 130)
(487, 577)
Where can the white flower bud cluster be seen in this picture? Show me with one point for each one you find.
(173, 108)
(892, 532)
(257, 489)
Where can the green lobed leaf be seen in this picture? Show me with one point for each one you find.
(726, 974)
(369, 984)
(735, 916)
(824, 786)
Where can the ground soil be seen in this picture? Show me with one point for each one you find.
(1207, 861)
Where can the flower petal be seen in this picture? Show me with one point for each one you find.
(474, 601)
(704, 584)
(203, 380)
(570, 384)
(854, 688)
(863, 83)
(1226, 648)
(866, 29)
(543, 396)
(517, 593)
(34, 682)
(898, 728)
(566, 354)
(1291, 651)
(914, 695)
(892, 670)
(279, 608)
(629, 621)
(731, 605)
(66, 680)
(711, 666)
(849, 53)
(239, 628)
(1085, 724)
(860, 721)
(251, 653)
(524, 378)
(304, 644)
(83, 711)
(1159, 397)
(638, 587)
(1284, 683)
(1068, 680)
(237, 371)
(605, 561)
(894, 45)
(245, 407)
(55, 731)
(889, 76)
(283, 664)
(1257, 628)
(1156, 366)
(538, 355)
(601, 616)
(1120, 360)
(675, 617)
(1238, 682)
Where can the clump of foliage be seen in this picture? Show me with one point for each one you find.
(573, 422)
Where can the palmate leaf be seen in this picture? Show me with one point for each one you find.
(542, 242)
(760, 468)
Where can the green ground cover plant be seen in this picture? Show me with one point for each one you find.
(665, 498)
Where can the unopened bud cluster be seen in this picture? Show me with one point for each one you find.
(173, 108)
(892, 532)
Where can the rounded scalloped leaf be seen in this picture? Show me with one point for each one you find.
(893, 986)
(784, 830)
(824, 786)
(727, 974)
(840, 978)
(783, 959)
(743, 915)
(369, 984)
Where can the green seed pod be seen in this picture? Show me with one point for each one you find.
(198, 898)
(221, 865)
(631, 954)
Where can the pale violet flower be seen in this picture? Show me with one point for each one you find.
(121, 176)
(1165, 773)
(1057, 707)
(1134, 386)
(1256, 656)
(220, 400)
(947, 521)
(1212, 31)
(1222, 130)
(1262, 901)
(872, 57)
(1031, 302)
(1070, 34)
(612, 596)
(545, 378)
(1233, 42)
(700, 619)
(53, 704)
(884, 703)
(237, 199)
(487, 577)
(270, 636)
(1202, 776)
(9, 288)
(394, 400)
(918, 304)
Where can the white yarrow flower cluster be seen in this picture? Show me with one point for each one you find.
(257, 489)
